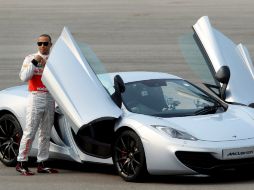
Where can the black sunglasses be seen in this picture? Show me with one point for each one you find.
(44, 43)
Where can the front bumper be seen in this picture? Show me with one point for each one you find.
(206, 163)
(175, 156)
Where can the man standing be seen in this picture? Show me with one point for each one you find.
(40, 109)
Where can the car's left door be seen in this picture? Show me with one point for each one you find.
(75, 86)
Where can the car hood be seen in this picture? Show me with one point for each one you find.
(234, 124)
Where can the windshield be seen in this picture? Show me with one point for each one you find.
(165, 98)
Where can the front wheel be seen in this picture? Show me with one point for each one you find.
(10, 135)
(129, 156)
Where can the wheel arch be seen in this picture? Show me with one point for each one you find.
(6, 111)
(123, 128)
(120, 128)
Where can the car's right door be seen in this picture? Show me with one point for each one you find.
(218, 50)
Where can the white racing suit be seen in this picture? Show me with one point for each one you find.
(40, 112)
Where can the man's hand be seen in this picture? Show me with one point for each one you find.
(40, 60)
(43, 62)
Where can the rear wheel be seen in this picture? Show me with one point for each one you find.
(10, 135)
(129, 156)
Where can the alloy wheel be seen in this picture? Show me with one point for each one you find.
(10, 135)
(129, 157)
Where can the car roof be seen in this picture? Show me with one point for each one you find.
(133, 76)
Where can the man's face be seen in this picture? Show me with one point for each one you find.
(44, 45)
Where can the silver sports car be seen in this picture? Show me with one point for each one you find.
(142, 122)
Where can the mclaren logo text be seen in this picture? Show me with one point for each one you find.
(240, 153)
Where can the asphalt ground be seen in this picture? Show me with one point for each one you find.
(126, 35)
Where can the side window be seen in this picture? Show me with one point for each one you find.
(196, 58)
(98, 67)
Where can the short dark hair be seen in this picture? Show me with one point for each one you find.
(46, 35)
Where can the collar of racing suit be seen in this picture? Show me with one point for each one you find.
(43, 56)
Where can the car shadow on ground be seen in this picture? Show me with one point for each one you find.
(225, 177)
(220, 178)
(200, 179)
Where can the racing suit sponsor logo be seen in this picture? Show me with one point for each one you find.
(38, 71)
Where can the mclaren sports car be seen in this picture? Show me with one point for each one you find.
(141, 122)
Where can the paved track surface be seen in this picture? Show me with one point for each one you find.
(92, 176)
(126, 35)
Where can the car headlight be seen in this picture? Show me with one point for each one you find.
(175, 133)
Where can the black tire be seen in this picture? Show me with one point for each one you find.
(10, 136)
(129, 156)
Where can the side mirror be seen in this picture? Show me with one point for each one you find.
(251, 105)
(119, 84)
(223, 76)
(119, 88)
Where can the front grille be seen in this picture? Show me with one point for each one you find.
(204, 162)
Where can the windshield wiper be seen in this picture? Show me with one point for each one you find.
(208, 109)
